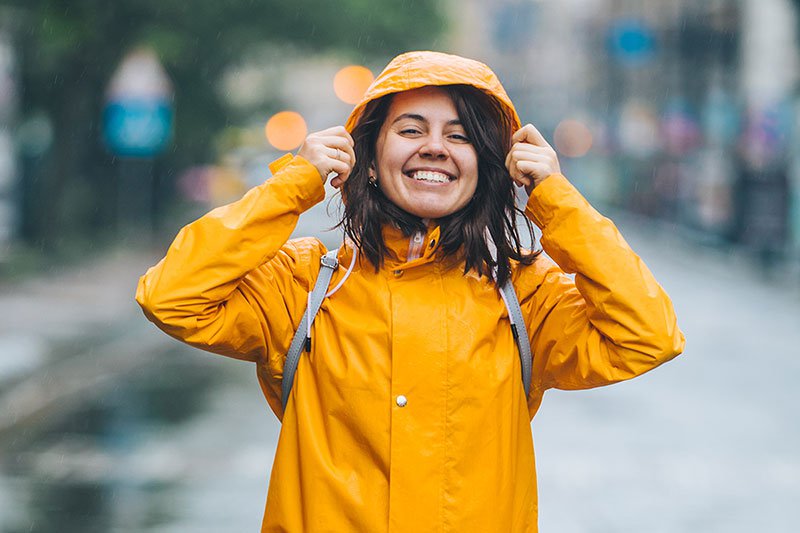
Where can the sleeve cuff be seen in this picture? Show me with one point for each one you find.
(297, 173)
(279, 163)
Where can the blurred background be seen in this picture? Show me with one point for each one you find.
(121, 121)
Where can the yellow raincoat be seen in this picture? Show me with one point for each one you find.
(457, 455)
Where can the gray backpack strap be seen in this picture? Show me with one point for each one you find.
(302, 337)
(520, 333)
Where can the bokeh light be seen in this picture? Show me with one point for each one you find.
(572, 138)
(351, 82)
(286, 130)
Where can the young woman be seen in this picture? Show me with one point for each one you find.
(409, 412)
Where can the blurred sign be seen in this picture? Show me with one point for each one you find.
(632, 42)
(137, 120)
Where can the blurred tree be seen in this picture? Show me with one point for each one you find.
(70, 48)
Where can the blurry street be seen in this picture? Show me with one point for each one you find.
(708, 443)
(108, 425)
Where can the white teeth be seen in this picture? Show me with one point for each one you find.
(435, 177)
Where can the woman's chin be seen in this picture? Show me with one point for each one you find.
(429, 212)
(431, 204)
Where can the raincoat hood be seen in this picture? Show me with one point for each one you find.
(419, 69)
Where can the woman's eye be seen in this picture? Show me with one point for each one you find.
(459, 137)
(410, 131)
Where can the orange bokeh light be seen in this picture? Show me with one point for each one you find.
(351, 82)
(286, 130)
(572, 138)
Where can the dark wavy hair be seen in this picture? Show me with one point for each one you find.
(489, 217)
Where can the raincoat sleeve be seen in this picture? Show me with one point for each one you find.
(230, 283)
(613, 322)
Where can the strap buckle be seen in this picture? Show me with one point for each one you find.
(329, 261)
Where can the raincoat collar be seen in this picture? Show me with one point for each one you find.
(404, 252)
(408, 252)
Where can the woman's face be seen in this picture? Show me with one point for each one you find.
(425, 163)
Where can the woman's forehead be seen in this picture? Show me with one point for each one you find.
(426, 102)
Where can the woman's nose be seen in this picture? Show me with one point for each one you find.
(434, 148)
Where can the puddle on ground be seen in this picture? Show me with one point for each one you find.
(86, 468)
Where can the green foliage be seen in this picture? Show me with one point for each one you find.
(69, 49)
(202, 37)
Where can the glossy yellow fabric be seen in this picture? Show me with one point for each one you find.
(459, 455)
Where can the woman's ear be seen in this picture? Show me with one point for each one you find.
(373, 175)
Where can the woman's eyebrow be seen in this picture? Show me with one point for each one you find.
(420, 118)
(412, 116)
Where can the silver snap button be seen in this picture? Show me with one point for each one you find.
(401, 401)
(398, 273)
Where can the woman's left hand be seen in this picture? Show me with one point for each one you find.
(531, 159)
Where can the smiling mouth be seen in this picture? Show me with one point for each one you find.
(430, 176)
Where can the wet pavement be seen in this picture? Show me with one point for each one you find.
(112, 426)
(709, 442)
(159, 448)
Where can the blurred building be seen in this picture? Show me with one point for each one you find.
(689, 106)
(8, 167)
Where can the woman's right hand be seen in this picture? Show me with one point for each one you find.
(330, 151)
